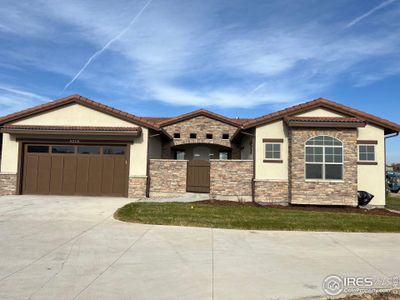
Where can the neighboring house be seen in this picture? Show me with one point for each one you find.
(319, 152)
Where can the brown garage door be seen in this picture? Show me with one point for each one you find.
(92, 170)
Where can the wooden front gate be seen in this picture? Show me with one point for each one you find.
(198, 176)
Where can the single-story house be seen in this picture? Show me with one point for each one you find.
(319, 152)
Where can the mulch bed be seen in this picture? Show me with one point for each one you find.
(392, 295)
(337, 209)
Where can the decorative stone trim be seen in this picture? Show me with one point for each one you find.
(321, 192)
(137, 186)
(167, 176)
(231, 179)
(8, 184)
(271, 191)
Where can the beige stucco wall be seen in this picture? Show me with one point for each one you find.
(77, 115)
(74, 115)
(9, 156)
(320, 112)
(274, 171)
(371, 178)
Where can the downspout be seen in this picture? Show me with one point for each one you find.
(148, 164)
(253, 178)
(384, 172)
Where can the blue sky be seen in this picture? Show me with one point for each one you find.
(238, 58)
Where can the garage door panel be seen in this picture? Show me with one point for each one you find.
(43, 177)
(69, 174)
(95, 169)
(107, 176)
(31, 172)
(56, 175)
(82, 175)
(119, 175)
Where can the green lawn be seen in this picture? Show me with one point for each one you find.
(393, 202)
(253, 217)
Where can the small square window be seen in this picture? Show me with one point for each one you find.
(223, 155)
(273, 151)
(193, 135)
(366, 152)
(177, 135)
(209, 136)
(180, 154)
(225, 136)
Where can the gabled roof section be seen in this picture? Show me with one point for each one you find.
(389, 127)
(197, 113)
(78, 100)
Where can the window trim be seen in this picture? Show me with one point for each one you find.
(366, 161)
(269, 159)
(323, 163)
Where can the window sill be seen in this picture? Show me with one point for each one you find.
(325, 180)
(371, 163)
(277, 161)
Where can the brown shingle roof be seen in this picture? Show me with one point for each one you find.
(389, 126)
(157, 123)
(80, 100)
(348, 122)
(132, 131)
(196, 113)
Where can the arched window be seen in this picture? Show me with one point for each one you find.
(324, 158)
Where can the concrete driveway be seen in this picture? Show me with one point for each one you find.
(72, 248)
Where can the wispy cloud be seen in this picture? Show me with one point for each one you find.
(24, 93)
(199, 53)
(108, 44)
(370, 12)
(13, 99)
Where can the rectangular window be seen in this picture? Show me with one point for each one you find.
(179, 154)
(89, 149)
(223, 155)
(114, 150)
(272, 151)
(177, 135)
(323, 160)
(366, 152)
(38, 149)
(65, 149)
(209, 136)
(314, 171)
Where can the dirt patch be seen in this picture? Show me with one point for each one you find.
(341, 209)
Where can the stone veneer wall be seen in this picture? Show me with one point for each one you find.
(167, 176)
(8, 184)
(271, 191)
(137, 186)
(201, 126)
(231, 179)
(302, 191)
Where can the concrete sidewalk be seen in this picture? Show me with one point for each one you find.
(72, 248)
